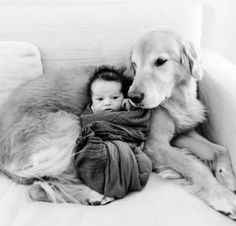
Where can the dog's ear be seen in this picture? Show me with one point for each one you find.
(130, 72)
(190, 59)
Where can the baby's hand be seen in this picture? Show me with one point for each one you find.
(126, 105)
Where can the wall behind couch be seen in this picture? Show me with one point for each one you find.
(218, 27)
(218, 31)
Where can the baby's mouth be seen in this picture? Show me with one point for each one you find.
(108, 109)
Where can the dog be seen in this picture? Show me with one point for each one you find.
(39, 126)
(166, 70)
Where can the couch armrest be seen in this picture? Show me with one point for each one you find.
(218, 92)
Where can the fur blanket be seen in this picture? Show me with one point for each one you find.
(109, 156)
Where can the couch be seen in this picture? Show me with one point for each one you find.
(44, 36)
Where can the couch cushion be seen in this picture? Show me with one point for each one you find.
(219, 94)
(19, 62)
(95, 32)
(160, 203)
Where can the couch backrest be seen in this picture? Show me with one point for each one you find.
(73, 33)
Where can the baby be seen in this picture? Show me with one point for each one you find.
(109, 154)
(108, 89)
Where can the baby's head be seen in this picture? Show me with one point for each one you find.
(107, 89)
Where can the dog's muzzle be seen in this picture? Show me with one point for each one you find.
(136, 98)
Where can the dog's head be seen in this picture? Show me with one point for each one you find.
(161, 61)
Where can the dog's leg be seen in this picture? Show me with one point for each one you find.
(206, 150)
(159, 150)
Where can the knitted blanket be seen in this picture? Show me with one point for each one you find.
(109, 156)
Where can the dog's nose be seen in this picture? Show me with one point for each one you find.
(136, 97)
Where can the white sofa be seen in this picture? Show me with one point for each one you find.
(37, 36)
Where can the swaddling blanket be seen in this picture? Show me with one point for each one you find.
(109, 155)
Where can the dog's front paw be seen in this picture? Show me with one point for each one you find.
(37, 193)
(224, 172)
(226, 178)
(223, 201)
(96, 199)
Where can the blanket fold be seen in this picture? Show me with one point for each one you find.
(109, 156)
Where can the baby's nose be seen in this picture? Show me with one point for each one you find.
(107, 102)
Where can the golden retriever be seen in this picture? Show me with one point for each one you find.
(39, 127)
(166, 69)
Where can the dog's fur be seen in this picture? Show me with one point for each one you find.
(38, 132)
(166, 70)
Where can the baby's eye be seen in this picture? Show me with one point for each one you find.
(115, 97)
(99, 99)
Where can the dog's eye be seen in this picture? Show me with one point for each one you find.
(159, 61)
(134, 66)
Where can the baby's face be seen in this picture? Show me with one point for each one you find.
(106, 96)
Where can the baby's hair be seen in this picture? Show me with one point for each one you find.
(110, 73)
